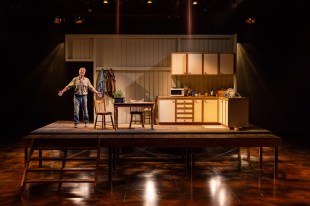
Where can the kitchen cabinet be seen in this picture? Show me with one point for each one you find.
(184, 110)
(210, 110)
(234, 112)
(186, 64)
(166, 110)
(227, 63)
(230, 112)
(194, 63)
(178, 63)
(198, 110)
(210, 64)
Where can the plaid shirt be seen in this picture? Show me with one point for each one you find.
(81, 85)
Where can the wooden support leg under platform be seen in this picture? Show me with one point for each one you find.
(43, 145)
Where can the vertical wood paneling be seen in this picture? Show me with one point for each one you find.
(149, 52)
(130, 52)
(82, 48)
(156, 52)
(76, 49)
(123, 52)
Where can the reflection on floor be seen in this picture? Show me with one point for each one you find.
(152, 176)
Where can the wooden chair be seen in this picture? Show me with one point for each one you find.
(136, 111)
(148, 115)
(100, 110)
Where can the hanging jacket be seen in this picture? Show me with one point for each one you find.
(101, 82)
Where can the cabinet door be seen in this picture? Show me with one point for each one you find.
(210, 110)
(178, 63)
(198, 110)
(210, 64)
(227, 63)
(238, 113)
(166, 110)
(194, 63)
(225, 113)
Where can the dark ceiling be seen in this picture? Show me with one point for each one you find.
(161, 17)
(136, 16)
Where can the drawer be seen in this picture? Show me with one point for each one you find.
(184, 120)
(184, 110)
(184, 101)
(184, 115)
(181, 106)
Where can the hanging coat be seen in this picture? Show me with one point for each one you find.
(111, 83)
(101, 82)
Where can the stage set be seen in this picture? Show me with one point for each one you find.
(62, 136)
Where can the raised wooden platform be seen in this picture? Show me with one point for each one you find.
(63, 136)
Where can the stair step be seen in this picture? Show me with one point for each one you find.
(61, 158)
(59, 169)
(60, 181)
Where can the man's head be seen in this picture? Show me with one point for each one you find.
(82, 71)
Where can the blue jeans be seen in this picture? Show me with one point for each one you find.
(80, 101)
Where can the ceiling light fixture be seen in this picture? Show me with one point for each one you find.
(105, 1)
(79, 20)
(250, 20)
(57, 20)
(149, 2)
(195, 2)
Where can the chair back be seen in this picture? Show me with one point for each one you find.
(136, 108)
(100, 106)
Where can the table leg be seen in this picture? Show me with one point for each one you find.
(152, 117)
(116, 117)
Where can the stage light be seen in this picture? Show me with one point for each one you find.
(79, 20)
(57, 20)
(149, 2)
(195, 2)
(105, 1)
(250, 20)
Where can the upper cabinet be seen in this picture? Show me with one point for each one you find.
(178, 63)
(227, 63)
(186, 63)
(210, 64)
(202, 63)
(194, 63)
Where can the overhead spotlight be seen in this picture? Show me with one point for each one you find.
(250, 20)
(57, 20)
(79, 20)
(105, 1)
(195, 2)
(149, 2)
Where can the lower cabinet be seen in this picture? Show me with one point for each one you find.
(210, 111)
(234, 112)
(166, 110)
(198, 114)
(184, 110)
(230, 112)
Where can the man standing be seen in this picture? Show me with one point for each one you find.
(81, 84)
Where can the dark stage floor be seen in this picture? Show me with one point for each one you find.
(152, 176)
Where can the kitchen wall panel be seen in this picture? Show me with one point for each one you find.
(140, 84)
(79, 49)
(142, 63)
(134, 52)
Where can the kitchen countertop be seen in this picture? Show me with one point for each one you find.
(197, 97)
